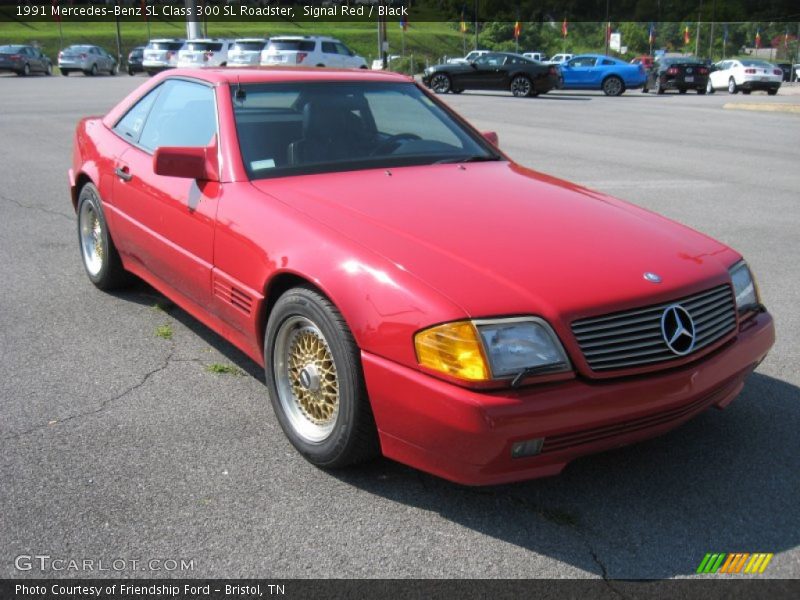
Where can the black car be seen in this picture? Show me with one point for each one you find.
(24, 60)
(677, 73)
(787, 70)
(135, 59)
(494, 71)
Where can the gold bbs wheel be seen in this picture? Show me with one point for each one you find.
(306, 378)
(91, 232)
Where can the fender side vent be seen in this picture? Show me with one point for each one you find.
(234, 296)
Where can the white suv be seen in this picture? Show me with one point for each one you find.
(558, 59)
(311, 51)
(161, 54)
(204, 53)
(246, 52)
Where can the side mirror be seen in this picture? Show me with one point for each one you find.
(491, 137)
(473, 64)
(188, 162)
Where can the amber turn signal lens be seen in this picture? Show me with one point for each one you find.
(453, 349)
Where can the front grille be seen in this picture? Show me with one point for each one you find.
(633, 338)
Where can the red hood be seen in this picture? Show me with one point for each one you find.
(496, 238)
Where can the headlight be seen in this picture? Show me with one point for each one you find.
(744, 287)
(486, 350)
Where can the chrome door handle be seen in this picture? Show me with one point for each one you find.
(123, 174)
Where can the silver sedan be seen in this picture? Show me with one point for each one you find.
(89, 59)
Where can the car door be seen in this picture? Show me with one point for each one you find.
(346, 56)
(330, 55)
(578, 71)
(169, 220)
(483, 73)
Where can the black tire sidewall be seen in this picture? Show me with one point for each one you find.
(530, 86)
(306, 303)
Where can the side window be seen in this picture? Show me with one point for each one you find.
(130, 126)
(607, 62)
(329, 47)
(184, 114)
(344, 50)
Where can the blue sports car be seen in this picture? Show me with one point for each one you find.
(599, 72)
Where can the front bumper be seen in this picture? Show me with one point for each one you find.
(466, 436)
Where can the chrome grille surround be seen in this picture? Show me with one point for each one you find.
(633, 338)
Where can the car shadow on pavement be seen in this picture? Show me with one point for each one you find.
(726, 481)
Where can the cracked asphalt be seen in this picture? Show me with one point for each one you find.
(118, 443)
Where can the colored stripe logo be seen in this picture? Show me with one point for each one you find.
(736, 562)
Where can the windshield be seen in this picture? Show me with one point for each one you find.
(300, 128)
(203, 46)
(165, 45)
(249, 46)
(757, 63)
(292, 45)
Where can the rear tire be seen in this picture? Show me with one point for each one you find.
(25, 71)
(746, 92)
(98, 252)
(709, 87)
(521, 86)
(701, 91)
(613, 86)
(682, 90)
(64, 72)
(772, 92)
(659, 87)
(316, 381)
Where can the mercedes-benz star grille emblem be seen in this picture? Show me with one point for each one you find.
(652, 277)
(677, 327)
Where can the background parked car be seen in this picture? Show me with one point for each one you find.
(599, 72)
(746, 75)
(135, 58)
(537, 56)
(92, 60)
(645, 61)
(468, 58)
(494, 71)
(24, 60)
(787, 70)
(311, 51)
(204, 53)
(557, 59)
(161, 54)
(680, 73)
(246, 52)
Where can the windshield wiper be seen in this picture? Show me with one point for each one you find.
(466, 159)
(531, 371)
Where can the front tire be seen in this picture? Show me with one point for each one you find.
(440, 83)
(613, 86)
(521, 86)
(315, 380)
(732, 87)
(48, 70)
(98, 252)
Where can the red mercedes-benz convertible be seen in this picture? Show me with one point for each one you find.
(408, 289)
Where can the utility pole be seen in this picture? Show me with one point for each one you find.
(477, 5)
(711, 37)
(697, 36)
(607, 24)
(119, 43)
(192, 24)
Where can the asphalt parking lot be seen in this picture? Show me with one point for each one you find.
(120, 443)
